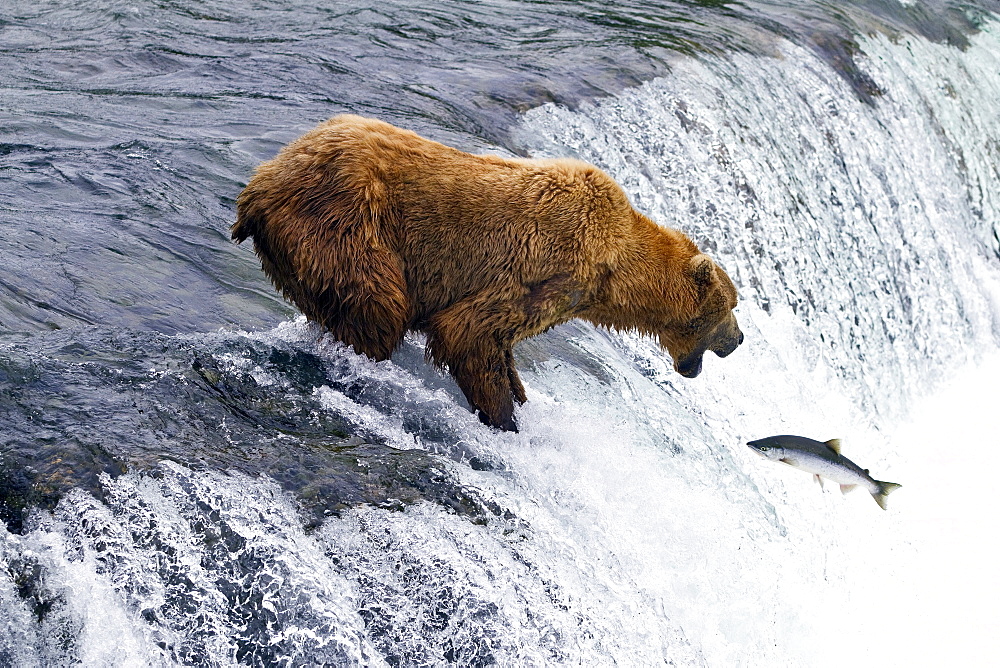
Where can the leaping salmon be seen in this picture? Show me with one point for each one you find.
(823, 460)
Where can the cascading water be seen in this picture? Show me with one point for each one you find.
(276, 499)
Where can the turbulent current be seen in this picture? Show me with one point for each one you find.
(192, 474)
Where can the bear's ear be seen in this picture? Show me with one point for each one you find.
(701, 270)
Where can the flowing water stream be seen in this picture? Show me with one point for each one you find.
(191, 474)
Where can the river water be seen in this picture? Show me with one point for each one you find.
(191, 474)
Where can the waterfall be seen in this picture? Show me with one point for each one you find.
(627, 523)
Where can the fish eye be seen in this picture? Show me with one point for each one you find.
(764, 448)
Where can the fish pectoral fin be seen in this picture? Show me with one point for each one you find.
(833, 444)
(819, 480)
(844, 489)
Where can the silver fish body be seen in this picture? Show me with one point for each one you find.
(823, 460)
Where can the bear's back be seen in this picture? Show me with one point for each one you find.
(459, 223)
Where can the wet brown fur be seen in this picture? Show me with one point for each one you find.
(372, 231)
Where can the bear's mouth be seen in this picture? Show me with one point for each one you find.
(689, 367)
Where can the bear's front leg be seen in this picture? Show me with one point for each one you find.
(484, 376)
(516, 387)
(472, 338)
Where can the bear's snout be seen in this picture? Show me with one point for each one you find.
(728, 346)
(727, 337)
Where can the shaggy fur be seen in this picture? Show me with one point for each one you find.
(372, 231)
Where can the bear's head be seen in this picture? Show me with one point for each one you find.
(710, 325)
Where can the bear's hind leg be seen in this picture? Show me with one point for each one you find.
(369, 315)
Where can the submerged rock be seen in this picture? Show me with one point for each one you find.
(78, 406)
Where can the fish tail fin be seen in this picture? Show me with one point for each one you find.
(884, 490)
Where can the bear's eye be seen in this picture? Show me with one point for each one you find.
(699, 324)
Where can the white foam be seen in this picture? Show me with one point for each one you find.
(942, 584)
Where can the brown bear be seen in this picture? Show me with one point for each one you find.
(373, 231)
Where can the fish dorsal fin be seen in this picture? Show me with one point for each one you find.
(833, 444)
